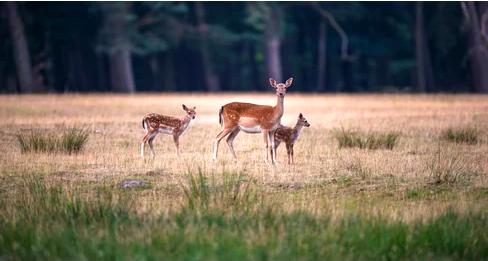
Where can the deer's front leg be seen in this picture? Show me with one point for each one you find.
(176, 139)
(288, 153)
(273, 148)
(266, 142)
(277, 144)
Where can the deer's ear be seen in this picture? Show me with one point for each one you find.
(272, 82)
(194, 107)
(300, 116)
(184, 107)
(289, 82)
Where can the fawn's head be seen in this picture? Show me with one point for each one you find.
(302, 121)
(190, 112)
(280, 87)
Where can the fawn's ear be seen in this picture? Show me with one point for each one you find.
(289, 82)
(194, 107)
(272, 82)
(300, 116)
(184, 107)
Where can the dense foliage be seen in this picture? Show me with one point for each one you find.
(205, 46)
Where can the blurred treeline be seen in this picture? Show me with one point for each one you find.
(236, 46)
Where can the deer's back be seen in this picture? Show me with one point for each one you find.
(247, 109)
(248, 114)
(283, 133)
(156, 121)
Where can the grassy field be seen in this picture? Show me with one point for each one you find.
(422, 194)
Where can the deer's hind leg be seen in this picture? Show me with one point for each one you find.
(150, 142)
(219, 137)
(230, 141)
(144, 140)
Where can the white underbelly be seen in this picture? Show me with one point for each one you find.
(165, 130)
(254, 129)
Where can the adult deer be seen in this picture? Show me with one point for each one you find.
(289, 136)
(252, 118)
(155, 123)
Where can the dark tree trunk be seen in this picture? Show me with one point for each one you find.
(322, 57)
(478, 52)
(120, 60)
(347, 76)
(273, 42)
(424, 73)
(211, 79)
(121, 77)
(20, 48)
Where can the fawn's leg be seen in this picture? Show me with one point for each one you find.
(230, 140)
(288, 152)
(144, 140)
(292, 156)
(219, 137)
(176, 139)
(150, 142)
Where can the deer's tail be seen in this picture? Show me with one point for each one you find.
(221, 118)
(221, 112)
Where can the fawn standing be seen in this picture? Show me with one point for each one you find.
(290, 136)
(252, 118)
(154, 123)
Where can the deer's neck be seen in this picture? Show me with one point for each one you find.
(279, 108)
(185, 124)
(296, 132)
(185, 120)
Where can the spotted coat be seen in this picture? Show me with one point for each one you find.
(290, 135)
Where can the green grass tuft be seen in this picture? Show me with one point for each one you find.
(446, 167)
(71, 140)
(461, 135)
(372, 140)
(231, 191)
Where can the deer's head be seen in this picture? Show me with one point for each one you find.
(302, 121)
(190, 112)
(280, 87)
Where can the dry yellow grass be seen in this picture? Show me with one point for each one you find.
(324, 178)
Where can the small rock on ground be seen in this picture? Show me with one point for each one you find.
(134, 183)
